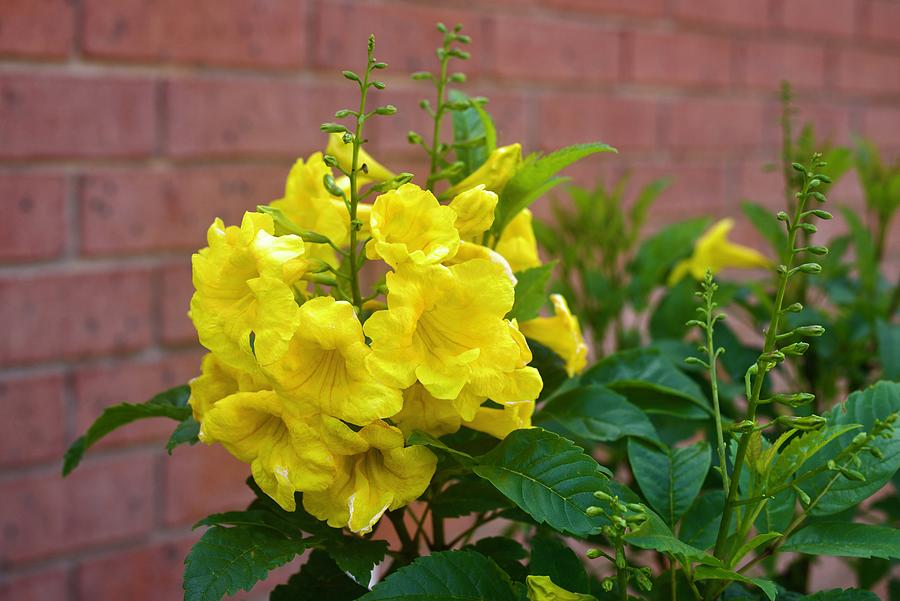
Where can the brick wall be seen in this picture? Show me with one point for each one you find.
(126, 126)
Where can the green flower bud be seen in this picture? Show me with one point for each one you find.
(594, 553)
(796, 399)
(809, 331)
(795, 350)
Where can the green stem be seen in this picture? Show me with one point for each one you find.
(353, 257)
(441, 85)
(621, 569)
(437, 536)
(714, 384)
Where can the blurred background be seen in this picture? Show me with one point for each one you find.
(127, 126)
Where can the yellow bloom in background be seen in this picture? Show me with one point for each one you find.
(243, 290)
(288, 450)
(408, 224)
(496, 171)
(217, 380)
(541, 588)
(560, 333)
(714, 252)
(500, 422)
(325, 366)
(385, 477)
(518, 244)
(474, 210)
(344, 155)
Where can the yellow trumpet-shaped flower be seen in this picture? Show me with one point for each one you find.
(474, 210)
(500, 422)
(218, 380)
(344, 154)
(243, 306)
(325, 366)
(541, 588)
(444, 327)
(408, 224)
(385, 477)
(288, 450)
(518, 244)
(496, 171)
(470, 250)
(714, 252)
(560, 333)
(422, 411)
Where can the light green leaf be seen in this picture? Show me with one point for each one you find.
(319, 578)
(714, 573)
(801, 449)
(187, 432)
(889, 349)
(531, 291)
(543, 588)
(669, 478)
(846, 540)
(172, 404)
(753, 543)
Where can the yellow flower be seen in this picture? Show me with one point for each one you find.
(560, 333)
(470, 250)
(518, 244)
(344, 155)
(217, 380)
(409, 224)
(496, 171)
(244, 307)
(713, 251)
(385, 477)
(500, 422)
(422, 411)
(541, 588)
(325, 366)
(474, 212)
(288, 450)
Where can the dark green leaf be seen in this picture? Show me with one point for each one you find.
(654, 534)
(716, 573)
(186, 432)
(670, 479)
(767, 225)
(551, 557)
(658, 253)
(505, 552)
(551, 367)
(468, 496)
(318, 579)
(675, 308)
(425, 439)
(252, 517)
(531, 292)
(846, 539)
(471, 131)
(700, 525)
(356, 556)
(836, 594)
(889, 350)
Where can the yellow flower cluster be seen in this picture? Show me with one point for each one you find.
(318, 401)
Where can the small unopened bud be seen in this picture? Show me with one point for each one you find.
(607, 584)
(594, 511)
(809, 331)
(743, 426)
(796, 399)
(782, 216)
(793, 308)
(594, 553)
(801, 494)
(388, 109)
(330, 160)
(642, 578)
(876, 453)
(820, 213)
(817, 250)
(853, 475)
(805, 423)
(602, 496)
(795, 350)
(809, 268)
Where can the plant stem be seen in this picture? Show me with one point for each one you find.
(621, 569)
(713, 355)
(441, 85)
(353, 257)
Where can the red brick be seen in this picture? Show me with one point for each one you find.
(882, 20)
(693, 189)
(715, 124)
(34, 225)
(34, 417)
(176, 289)
(201, 480)
(811, 16)
(530, 49)
(102, 501)
(250, 117)
(55, 316)
(36, 27)
(743, 14)
(96, 388)
(405, 35)
(642, 8)
(880, 125)
(626, 123)
(142, 574)
(680, 58)
(138, 210)
(57, 116)
(759, 182)
(50, 584)
(869, 72)
(769, 63)
(233, 32)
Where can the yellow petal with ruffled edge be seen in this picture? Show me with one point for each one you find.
(494, 173)
(541, 588)
(325, 366)
(715, 252)
(408, 224)
(344, 155)
(561, 334)
(518, 244)
(474, 210)
(500, 422)
(422, 411)
(217, 380)
(385, 477)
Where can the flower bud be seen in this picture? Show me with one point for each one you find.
(594, 553)
(795, 350)
(805, 423)
(796, 399)
(809, 331)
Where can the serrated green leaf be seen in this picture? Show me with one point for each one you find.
(654, 534)
(846, 539)
(715, 573)
(252, 517)
(187, 432)
(423, 438)
(468, 496)
(836, 594)
(172, 404)
(505, 552)
(319, 578)
(446, 576)
(550, 557)
(801, 449)
(356, 556)
(226, 560)
(548, 477)
(670, 479)
(531, 291)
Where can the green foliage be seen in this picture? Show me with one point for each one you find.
(474, 135)
(847, 540)
(531, 292)
(319, 578)
(669, 478)
(714, 573)
(655, 534)
(187, 432)
(850, 594)
(551, 557)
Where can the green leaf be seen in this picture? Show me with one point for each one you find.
(836, 594)
(226, 560)
(172, 404)
(187, 432)
(846, 540)
(505, 552)
(767, 225)
(468, 496)
(675, 308)
(801, 449)
(551, 557)
(252, 517)
(531, 291)
(652, 382)
(356, 556)
(446, 576)
(715, 573)
(423, 438)
(654, 534)
(595, 413)
(753, 543)
(319, 578)
(670, 479)
(535, 176)
(548, 477)
(889, 349)
(700, 525)
(473, 134)
(866, 262)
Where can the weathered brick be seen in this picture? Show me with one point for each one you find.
(694, 189)
(642, 8)
(743, 14)
(102, 501)
(882, 19)
(810, 16)
(680, 58)
(33, 225)
(42, 28)
(626, 123)
(868, 72)
(881, 124)
(715, 124)
(175, 291)
(59, 116)
(232, 32)
(768, 63)
(56, 315)
(33, 422)
(50, 584)
(138, 210)
(531, 48)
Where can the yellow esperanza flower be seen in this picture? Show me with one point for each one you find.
(714, 252)
(518, 244)
(500, 422)
(422, 411)
(385, 477)
(243, 306)
(474, 210)
(325, 366)
(408, 224)
(560, 333)
(542, 588)
(217, 380)
(494, 173)
(470, 250)
(375, 171)
(289, 449)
